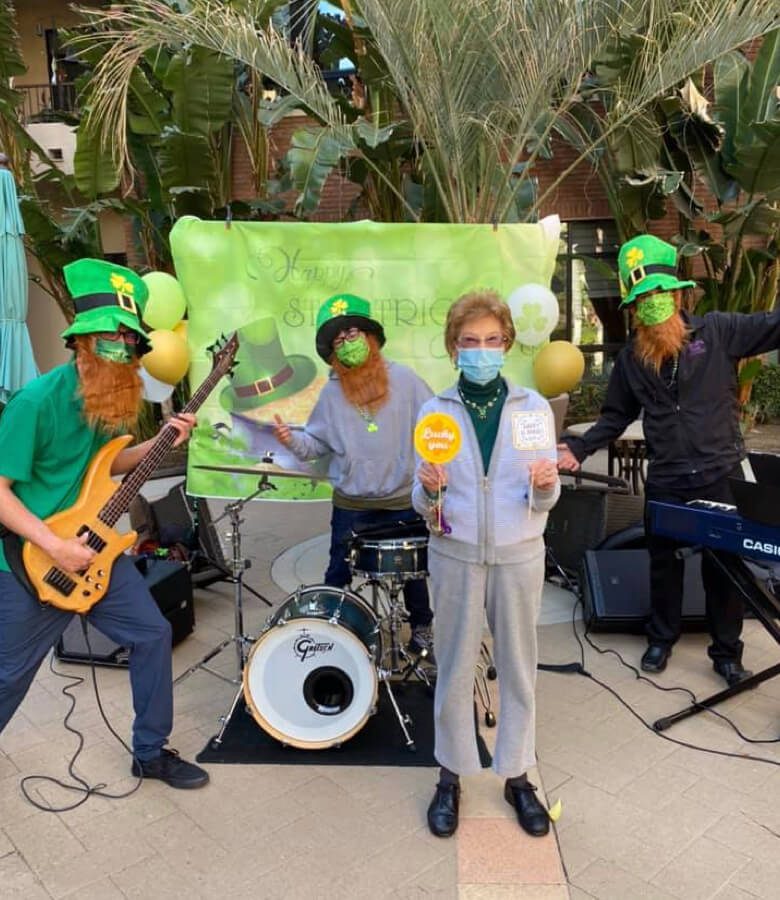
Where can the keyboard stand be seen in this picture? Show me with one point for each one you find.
(766, 608)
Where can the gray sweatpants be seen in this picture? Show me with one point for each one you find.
(461, 594)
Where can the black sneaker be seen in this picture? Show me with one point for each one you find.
(421, 642)
(172, 769)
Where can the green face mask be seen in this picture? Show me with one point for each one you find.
(353, 353)
(656, 309)
(114, 351)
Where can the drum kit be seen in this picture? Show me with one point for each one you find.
(312, 678)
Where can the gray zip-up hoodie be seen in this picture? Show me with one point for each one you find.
(489, 514)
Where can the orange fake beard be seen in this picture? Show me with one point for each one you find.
(112, 391)
(366, 386)
(654, 344)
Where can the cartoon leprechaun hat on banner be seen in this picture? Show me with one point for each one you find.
(264, 372)
(339, 313)
(647, 264)
(105, 296)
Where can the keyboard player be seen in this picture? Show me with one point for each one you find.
(679, 371)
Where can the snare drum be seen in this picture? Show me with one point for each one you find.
(311, 678)
(404, 558)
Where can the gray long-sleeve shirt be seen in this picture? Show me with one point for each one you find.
(367, 462)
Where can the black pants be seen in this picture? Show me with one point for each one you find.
(724, 606)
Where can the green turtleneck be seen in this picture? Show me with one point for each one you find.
(484, 403)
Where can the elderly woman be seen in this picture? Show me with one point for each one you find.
(486, 554)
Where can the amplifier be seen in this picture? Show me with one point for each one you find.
(583, 517)
(170, 585)
(616, 591)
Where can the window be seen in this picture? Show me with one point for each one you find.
(587, 286)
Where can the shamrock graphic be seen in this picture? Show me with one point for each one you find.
(634, 257)
(120, 284)
(338, 308)
(531, 318)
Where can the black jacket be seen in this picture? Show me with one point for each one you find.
(691, 418)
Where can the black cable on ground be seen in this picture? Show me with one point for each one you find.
(81, 786)
(579, 668)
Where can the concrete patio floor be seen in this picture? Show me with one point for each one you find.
(643, 816)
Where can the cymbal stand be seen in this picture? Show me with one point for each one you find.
(238, 565)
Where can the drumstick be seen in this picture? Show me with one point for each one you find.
(530, 489)
(439, 504)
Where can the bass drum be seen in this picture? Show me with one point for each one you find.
(310, 680)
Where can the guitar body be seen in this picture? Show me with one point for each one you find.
(80, 592)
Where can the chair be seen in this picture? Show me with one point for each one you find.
(560, 406)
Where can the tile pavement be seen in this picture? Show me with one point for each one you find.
(642, 815)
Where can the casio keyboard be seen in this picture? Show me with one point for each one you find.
(728, 536)
(716, 525)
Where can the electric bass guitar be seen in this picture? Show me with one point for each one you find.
(102, 501)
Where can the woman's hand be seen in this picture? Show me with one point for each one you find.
(567, 461)
(432, 477)
(282, 432)
(543, 473)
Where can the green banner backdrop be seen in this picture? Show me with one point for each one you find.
(268, 279)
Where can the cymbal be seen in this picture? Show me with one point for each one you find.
(269, 469)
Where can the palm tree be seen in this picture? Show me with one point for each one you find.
(480, 84)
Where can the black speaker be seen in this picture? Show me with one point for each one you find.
(583, 517)
(616, 591)
(179, 519)
(576, 523)
(170, 585)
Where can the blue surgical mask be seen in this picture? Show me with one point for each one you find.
(480, 365)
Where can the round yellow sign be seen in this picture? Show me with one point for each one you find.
(437, 438)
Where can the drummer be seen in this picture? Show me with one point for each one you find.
(364, 417)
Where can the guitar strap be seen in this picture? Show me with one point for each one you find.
(12, 547)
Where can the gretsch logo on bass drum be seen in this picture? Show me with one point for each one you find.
(305, 647)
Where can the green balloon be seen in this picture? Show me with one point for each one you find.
(166, 304)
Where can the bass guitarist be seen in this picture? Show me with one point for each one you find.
(49, 433)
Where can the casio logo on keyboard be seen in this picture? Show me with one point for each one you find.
(750, 544)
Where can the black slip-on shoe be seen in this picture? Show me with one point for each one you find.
(731, 670)
(443, 811)
(172, 769)
(531, 815)
(655, 658)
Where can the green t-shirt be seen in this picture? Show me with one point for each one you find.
(45, 444)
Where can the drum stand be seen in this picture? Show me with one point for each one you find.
(238, 565)
(401, 661)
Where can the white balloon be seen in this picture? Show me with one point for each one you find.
(535, 313)
(154, 391)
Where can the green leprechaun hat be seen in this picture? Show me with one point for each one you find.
(263, 372)
(646, 264)
(337, 314)
(105, 296)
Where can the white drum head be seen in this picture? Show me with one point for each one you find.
(310, 683)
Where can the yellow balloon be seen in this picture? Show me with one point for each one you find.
(558, 367)
(169, 358)
(181, 329)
